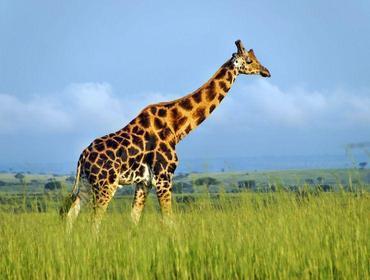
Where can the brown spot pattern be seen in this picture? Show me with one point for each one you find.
(223, 86)
(197, 97)
(186, 104)
(221, 74)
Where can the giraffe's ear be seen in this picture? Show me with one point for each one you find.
(240, 47)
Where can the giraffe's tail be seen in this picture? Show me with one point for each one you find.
(73, 197)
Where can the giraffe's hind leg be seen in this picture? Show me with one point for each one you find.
(102, 197)
(73, 203)
(73, 213)
(141, 193)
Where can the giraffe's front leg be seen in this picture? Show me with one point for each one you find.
(141, 193)
(164, 167)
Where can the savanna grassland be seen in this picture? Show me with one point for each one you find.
(248, 235)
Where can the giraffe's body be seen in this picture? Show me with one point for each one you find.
(144, 151)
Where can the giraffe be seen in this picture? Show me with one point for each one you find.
(143, 153)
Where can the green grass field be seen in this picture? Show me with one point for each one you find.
(238, 236)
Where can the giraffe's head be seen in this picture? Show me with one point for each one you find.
(247, 63)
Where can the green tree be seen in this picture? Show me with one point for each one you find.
(20, 177)
(53, 185)
(70, 179)
(206, 181)
(362, 165)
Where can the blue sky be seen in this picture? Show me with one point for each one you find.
(71, 71)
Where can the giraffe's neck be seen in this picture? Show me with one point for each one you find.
(194, 108)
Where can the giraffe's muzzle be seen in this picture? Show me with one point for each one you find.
(264, 72)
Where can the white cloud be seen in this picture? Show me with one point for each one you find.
(95, 108)
(37, 113)
(262, 104)
(92, 106)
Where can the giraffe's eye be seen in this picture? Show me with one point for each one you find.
(248, 60)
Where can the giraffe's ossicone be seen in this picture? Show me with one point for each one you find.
(144, 151)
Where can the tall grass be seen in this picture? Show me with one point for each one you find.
(245, 236)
